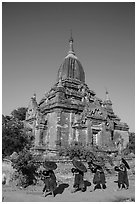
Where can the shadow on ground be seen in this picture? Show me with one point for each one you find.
(87, 183)
(61, 188)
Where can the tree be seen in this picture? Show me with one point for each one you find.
(131, 145)
(14, 136)
(19, 113)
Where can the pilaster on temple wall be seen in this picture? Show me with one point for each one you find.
(89, 132)
(71, 118)
(37, 136)
(52, 130)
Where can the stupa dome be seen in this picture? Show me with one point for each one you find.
(71, 66)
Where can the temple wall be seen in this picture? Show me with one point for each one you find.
(52, 130)
(124, 135)
(65, 128)
(89, 132)
(82, 135)
(37, 135)
(103, 137)
(71, 130)
(98, 139)
(67, 134)
(106, 137)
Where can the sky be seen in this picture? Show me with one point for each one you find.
(35, 39)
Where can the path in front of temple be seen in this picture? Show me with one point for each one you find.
(11, 194)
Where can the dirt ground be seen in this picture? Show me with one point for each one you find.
(12, 193)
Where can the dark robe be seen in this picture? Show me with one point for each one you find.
(126, 181)
(96, 178)
(78, 179)
(99, 177)
(102, 178)
(122, 176)
(49, 180)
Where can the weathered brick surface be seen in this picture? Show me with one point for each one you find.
(124, 135)
(52, 130)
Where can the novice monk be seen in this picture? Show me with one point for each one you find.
(126, 166)
(78, 180)
(78, 172)
(49, 178)
(122, 175)
(99, 176)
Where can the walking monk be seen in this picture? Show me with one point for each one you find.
(49, 178)
(78, 172)
(99, 177)
(122, 174)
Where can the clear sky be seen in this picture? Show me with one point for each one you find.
(35, 41)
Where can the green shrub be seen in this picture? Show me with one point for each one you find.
(82, 152)
(26, 168)
(76, 150)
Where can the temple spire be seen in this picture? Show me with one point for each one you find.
(107, 96)
(34, 96)
(71, 49)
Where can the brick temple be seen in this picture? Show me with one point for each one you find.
(71, 112)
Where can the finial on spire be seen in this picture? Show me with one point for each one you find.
(107, 98)
(71, 38)
(34, 96)
(107, 95)
(71, 50)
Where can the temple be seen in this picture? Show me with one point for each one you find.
(71, 112)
